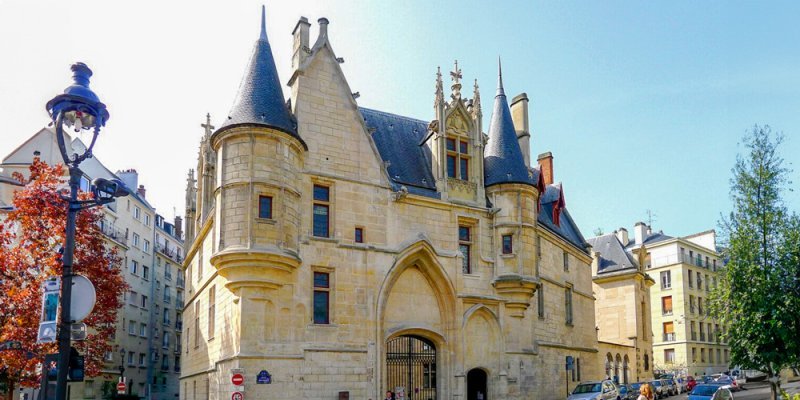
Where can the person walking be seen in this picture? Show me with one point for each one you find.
(645, 392)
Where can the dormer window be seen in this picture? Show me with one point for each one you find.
(457, 159)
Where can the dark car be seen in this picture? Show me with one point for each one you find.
(627, 392)
(670, 387)
(659, 391)
(728, 383)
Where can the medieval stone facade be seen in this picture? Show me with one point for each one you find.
(333, 248)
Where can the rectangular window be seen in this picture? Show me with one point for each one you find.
(691, 280)
(694, 354)
(464, 243)
(132, 327)
(322, 289)
(134, 267)
(321, 211)
(197, 323)
(131, 356)
(568, 305)
(165, 341)
(136, 212)
(566, 261)
(212, 300)
(711, 356)
(707, 283)
(508, 244)
(143, 302)
(142, 359)
(669, 356)
(147, 219)
(136, 239)
(693, 330)
(133, 298)
(699, 281)
(463, 167)
(540, 301)
(700, 305)
(265, 207)
(669, 332)
(146, 245)
(143, 330)
(463, 147)
(451, 166)
(145, 272)
(702, 355)
(359, 235)
(451, 144)
(666, 280)
(692, 305)
(165, 320)
(666, 305)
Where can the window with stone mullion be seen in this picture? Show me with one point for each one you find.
(458, 157)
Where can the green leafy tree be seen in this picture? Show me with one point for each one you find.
(757, 297)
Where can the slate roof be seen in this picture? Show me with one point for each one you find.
(398, 139)
(503, 161)
(613, 256)
(260, 98)
(567, 228)
(654, 237)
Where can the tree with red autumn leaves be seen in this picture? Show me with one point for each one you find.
(30, 239)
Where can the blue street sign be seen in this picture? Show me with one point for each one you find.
(264, 377)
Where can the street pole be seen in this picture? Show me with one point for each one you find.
(66, 284)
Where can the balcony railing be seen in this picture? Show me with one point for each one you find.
(669, 337)
(113, 233)
(180, 281)
(167, 322)
(694, 335)
(171, 253)
(666, 312)
(702, 337)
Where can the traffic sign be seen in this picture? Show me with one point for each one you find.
(237, 379)
(237, 396)
(83, 298)
(121, 388)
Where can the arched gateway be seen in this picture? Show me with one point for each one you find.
(411, 366)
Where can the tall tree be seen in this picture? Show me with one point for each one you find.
(30, 238)
(758, 293)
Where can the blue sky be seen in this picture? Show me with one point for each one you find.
(641, 103)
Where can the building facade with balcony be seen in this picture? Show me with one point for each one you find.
(685, 337)
(129, 225)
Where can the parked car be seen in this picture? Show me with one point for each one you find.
(627, 392)
(659, 391)
(710, 392)
(728, 383)
(670, 386)
(682, 385)
(595, 390)
(690, 383)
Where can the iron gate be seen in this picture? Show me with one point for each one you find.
(411, 364)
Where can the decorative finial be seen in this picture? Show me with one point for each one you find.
(500, 90)
(263, 22)
(456, 87)
(208, 127)
(476, 101)
(439, 88)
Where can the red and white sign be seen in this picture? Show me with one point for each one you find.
(121, 388)
(237, 396)
(237, 380)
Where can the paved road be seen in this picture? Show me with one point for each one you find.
(755, 391)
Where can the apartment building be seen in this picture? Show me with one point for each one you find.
(151, 250)
(686, 338)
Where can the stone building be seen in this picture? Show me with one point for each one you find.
(622, 308)
(131, 225)
(333, 248)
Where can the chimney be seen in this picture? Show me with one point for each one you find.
(178, 227)
(141, 191)
(640, 232)
(130, 178)
(519, 115)
(323, 31)
(300, 47)
(622, 235)
(546, 167)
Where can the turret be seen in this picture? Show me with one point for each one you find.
(511, 188)
(259, 161)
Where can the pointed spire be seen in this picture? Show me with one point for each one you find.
(439, 88)
(260, 98)
(456, 76)
(476, 101)
(503, 160)
(500, 90)
(263, 23)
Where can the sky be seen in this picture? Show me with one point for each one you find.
(643, 104)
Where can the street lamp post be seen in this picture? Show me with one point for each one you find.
(80, 108)
(122, 365)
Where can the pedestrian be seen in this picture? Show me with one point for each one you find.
(646, 392)
(389, 395)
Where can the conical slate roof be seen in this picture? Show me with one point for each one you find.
(503, 161)
(260, 99)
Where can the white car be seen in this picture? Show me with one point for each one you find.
(595, 390)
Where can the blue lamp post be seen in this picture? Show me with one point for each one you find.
(80, 108)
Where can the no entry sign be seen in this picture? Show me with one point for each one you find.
(237, 380)
(121, 388)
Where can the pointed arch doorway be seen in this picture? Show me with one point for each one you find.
(411, 365)
(477, 387)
